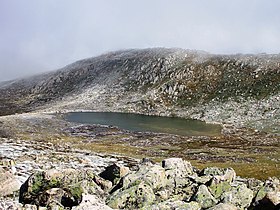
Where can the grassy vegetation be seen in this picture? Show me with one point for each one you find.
(260, 166)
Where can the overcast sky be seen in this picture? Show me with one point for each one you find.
(43, 35)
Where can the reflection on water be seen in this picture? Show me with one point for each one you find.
(138, 122)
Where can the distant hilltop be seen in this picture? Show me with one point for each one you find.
(173, 82)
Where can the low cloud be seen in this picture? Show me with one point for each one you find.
(38, 36)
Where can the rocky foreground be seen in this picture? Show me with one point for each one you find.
(19, 159)
(61, 179)
(40, 174)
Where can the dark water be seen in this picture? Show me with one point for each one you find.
(137, 122)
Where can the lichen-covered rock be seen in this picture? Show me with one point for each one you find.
(152, 174)
(270, 185)
(163, 194)
(178, 172)
(223, 206)
(91, 202)
(51, 197)
(184, 192)
(137, 196)
(177, 167)
(204, 197)
(64, 187)
(137, 188)
(220, 174)
(212, 171)
(170, 205)
(172, 185)
(268, 195)
(8, 183)
(240, 196)
(254, 184)
(217, 189)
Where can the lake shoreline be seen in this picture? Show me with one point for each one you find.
(145, 123)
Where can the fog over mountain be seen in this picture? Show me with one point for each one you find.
(38, 36)
(158, 81)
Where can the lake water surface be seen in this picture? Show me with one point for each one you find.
(144, 123)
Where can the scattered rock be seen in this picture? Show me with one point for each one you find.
(114, 172)
(8, 182)
(178, 172)
(174, 184)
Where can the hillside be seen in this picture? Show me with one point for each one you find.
(239, 89)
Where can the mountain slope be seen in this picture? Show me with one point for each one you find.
(224, 88)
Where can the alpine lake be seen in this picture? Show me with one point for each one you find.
(156, 137)
(145, 123)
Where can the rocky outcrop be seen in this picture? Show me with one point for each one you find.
(48, 188)
(20, 160)
(173, 185)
